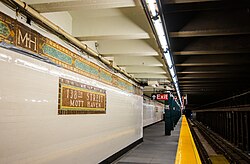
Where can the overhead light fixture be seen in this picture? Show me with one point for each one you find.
(156, 18)
(152, 7)
(168, 59)
(172, 72)
(159, 28)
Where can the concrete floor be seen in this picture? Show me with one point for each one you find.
(156, 148)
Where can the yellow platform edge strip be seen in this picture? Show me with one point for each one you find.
(187, 152)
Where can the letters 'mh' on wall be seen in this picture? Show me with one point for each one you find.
(78, 98)
(27, 39)
(16, 34)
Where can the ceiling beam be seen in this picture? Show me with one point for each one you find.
(231, 45)
(77, 5)
(141, 35)
(207, 84)
(201, 90)
(185, 1)
(125, 48)
(197, 33)
(202, 72)
(201, 87)
(229, 68)
(145, 70)
(202, 64)
(201, 5)
(151, 76)
(216, 23)
(195, 81)
(106, 25)
(212, 60)
(107, 54)
(215, 75)
(212, 77)
(137, 61)
(217, 52)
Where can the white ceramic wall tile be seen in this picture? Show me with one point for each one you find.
(31, 130)
(152, 112)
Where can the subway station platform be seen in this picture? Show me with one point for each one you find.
(156, 148)
(178, 148)
(81, 80)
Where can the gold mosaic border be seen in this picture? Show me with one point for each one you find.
(14, 33)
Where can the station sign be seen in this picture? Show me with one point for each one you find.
(79, 98)
(159, 96)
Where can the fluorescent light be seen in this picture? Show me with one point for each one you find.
(152, 7)
(172, 72)
(169, 60)
(175, 79)
(159, 28)
(161, 34)
(163, 42)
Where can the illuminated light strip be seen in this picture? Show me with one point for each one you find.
(157, 22)
(168, 58)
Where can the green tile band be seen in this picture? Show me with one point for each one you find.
(86, 68)
(106, 77)
(56, 54)
(121, 84)
(130, 88)
(4, 30)
(124, 85)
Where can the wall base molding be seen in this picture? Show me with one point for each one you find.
(115, 156)
(152, 124)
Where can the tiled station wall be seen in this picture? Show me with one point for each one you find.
(33, 132)
(152, 111)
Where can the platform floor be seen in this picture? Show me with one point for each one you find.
(156, 148)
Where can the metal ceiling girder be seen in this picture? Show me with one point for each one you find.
(202, 64)
(222, 45)
(207, 33)
(210, 52)
(208, 81)
(201, 72)
(214, 23)
(184, 1)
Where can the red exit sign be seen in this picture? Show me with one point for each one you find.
(162, 97)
